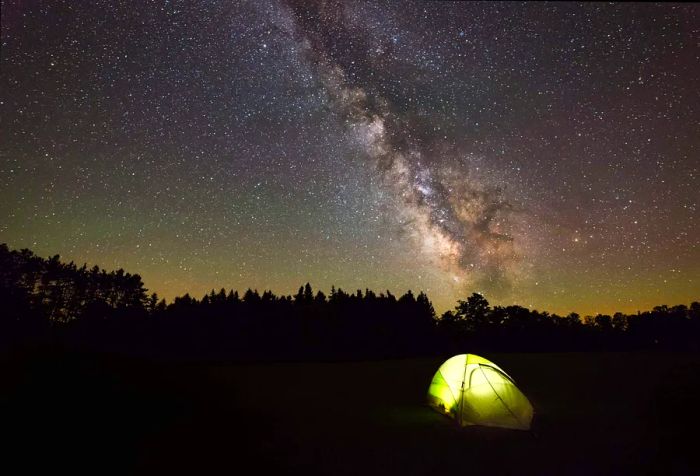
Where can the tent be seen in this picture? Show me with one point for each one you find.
(475, 391)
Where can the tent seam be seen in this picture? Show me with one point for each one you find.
(499, 397)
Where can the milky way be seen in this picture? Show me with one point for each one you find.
(458, 220)
(542, 154)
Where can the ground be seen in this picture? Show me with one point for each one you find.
(595, 413)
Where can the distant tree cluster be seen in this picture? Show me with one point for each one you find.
(112, 311)
(474, 324)
(307, 324)
(47, 301)
(33, 288)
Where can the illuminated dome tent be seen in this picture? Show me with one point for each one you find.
(475, 391)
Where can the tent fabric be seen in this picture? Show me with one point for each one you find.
(475, 391)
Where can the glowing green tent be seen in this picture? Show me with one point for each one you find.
(475, 391)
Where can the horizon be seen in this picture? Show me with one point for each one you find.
(544, 155)
(439, 311)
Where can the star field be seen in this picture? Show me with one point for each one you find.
(542, 154)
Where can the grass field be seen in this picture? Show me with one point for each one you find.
(595, 413)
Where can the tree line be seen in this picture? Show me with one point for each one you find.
(48, 302)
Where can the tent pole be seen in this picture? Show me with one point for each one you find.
(461, 391)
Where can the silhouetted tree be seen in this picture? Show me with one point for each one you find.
(474, 312)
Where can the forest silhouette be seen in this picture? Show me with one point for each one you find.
(47, 302)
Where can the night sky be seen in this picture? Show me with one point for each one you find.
(542, 154)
